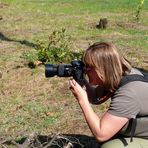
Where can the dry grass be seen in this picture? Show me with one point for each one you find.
(28, 101)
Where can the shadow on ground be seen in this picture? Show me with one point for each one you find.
(23, 42)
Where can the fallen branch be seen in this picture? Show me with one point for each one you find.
(58, 140)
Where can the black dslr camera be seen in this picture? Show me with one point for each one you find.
(75, 69)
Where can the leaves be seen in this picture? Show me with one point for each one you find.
(57, 50)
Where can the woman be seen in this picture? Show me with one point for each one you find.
(105, 68)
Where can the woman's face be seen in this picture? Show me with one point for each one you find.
(93, 76)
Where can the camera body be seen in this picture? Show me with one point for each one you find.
(75, 69)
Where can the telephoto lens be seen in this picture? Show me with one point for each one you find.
(51, 70)
(74, 69)
(62, 70)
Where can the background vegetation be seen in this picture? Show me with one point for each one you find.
(29, 102)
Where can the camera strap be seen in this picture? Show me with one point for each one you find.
(134, 77)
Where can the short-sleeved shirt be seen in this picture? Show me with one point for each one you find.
(131, 101)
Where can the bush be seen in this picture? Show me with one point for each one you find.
(57, 50)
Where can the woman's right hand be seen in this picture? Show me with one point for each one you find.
(79, 92)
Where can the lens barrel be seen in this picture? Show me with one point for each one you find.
(62, 70)
(75, 69)
(51, 70)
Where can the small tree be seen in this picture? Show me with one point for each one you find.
(139, 8)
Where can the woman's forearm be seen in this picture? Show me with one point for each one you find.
(91, 118)
(103, 128)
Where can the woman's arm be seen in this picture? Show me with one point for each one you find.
(102, 128)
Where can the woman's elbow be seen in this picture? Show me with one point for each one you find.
(102, 138)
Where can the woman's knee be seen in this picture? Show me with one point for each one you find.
(125, 142)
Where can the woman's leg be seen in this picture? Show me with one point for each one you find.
(125, 143)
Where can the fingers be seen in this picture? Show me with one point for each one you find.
(72, 82)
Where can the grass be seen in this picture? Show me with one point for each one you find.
(29, 101)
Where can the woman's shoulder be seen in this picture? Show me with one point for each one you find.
(135, 71)
(132, 82)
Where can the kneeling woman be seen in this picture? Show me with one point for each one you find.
(126, 116)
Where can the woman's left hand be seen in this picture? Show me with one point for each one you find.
(79, 93)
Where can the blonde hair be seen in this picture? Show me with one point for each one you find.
(109, 64)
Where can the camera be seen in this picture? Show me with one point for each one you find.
(74, 69)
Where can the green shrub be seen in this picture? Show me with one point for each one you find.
(57, 50)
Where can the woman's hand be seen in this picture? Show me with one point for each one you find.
(79, 93)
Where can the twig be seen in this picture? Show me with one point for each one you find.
(51, 141)
(16, 144)
(3, 146)
(29, 140)
(69, 145)
(71, 140)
